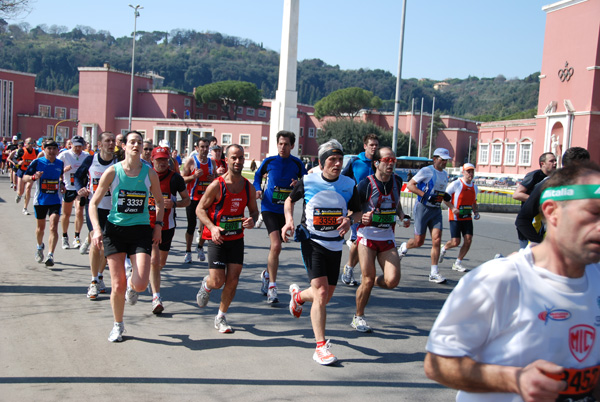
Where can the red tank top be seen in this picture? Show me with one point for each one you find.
(167, 192)
(228, 212)
(197, 187)
(28, 157)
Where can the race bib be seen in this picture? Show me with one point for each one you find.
(131, 202)
(232, 225)
(580, 383)
(202, 186)
(465, 211)
(384, 218)
(436, 198)
(95, 182)
(325, 219)
(280, 194)
(49, 186)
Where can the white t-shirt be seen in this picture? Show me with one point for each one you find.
(510, 312)
(71, 159)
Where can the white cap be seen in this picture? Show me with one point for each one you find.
(15, 138)
(468, 166)
(442, 153)
(164, 144)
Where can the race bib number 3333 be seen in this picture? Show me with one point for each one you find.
(131, 202)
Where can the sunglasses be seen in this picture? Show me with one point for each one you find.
(388, 160)
(147, 149)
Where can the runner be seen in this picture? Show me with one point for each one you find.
(462, 209)
(525, 327)
(358, 168)
(198, 173)
(430, 186)
(127, 230)
(11, 159)
(25, 156)
(380, 199)
(87, 179)
(72, 158)
(171, 183)
(221, 210)
(282, 170)
(325, 220)
(47, 173)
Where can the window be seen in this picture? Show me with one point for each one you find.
(44, 110)
(249, 111)
(49, 131)
(187, 102)
(212, 106)
(225, 108)
(212, 117)
(262, 113)
(62, 131)
(246, 155)
(74, 113)
(245, 140)
(496, 154)
(198, 116)
(510, 156)
(60, 112)
(224, 118)
(483, 154)
(240, 110)
(525, 154)
(226, 139)
(311, 132)
(301, 131)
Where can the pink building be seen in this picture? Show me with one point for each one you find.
(569, 100)
(28, 112)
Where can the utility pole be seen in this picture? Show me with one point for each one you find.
(398, 82)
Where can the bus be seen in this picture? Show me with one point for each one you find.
(410, 165)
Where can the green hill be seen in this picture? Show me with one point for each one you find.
(188, 59)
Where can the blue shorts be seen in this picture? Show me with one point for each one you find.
(427, 218)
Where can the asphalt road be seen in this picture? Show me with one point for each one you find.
(53, 340)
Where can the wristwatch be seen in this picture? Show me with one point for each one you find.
(159, 223)
(351, 219)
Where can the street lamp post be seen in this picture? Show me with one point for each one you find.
(58, 124)
(135, 15)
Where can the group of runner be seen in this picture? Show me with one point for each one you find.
(129, 191)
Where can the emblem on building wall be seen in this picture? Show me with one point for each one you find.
(566, 73)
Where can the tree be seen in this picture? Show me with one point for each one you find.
(12, 8)
(347, 101)
(230, 94)
(351, 133)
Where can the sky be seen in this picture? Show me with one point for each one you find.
(442, 39)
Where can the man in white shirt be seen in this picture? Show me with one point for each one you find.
(526, 327)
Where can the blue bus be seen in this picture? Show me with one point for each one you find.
(410, 165)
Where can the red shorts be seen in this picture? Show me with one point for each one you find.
(378, 245)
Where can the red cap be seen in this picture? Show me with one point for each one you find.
(160, 152)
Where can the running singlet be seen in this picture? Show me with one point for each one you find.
(433, 183)
(95, 171)
(197, 187)
(463, 198)
(324, 203)
(47, 187)
(170, 184)
(129, 197)
(383, 207)
(228, 212)
(280, 173)
(513, 313)
(75, 161)
(27, 158)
